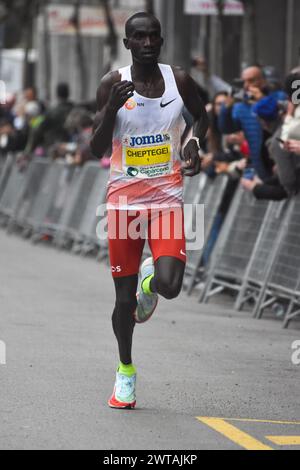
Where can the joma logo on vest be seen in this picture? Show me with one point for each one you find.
(148, 139)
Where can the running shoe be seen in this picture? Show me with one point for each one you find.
(123, 396)
(146, 303)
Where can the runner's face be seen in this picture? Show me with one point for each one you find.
(145, 41)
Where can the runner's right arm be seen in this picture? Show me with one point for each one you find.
(112, 94)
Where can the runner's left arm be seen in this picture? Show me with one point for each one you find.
(194, 104)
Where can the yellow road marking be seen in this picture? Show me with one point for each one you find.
(285, 440)
(234, 434)
(296, 423)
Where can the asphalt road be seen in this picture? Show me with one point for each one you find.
(192, 360)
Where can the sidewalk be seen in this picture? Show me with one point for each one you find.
(193, 361)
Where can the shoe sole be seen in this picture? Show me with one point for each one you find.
(148, 318)
(147, 262)
(129, 406)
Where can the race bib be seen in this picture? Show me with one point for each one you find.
(147, 156)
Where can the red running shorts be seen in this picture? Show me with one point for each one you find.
(128, 231)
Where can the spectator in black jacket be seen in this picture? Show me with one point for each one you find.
(271, 189)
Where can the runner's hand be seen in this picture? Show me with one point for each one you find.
(120, 92)
(192, 161)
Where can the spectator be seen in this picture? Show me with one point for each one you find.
(284, 148)
(222, 154)
(287, 161)
(214, 140)
(240, 113)
(215, 137)
(271, 189)
(79, 125)
(212, 83)
(52, 129)
(7, 114)
(14, 130)
(83, 153)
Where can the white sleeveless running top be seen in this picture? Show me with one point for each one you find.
(145, 161)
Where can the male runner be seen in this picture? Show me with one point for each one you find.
(140, 117)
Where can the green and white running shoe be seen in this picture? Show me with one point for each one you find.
(146, 303)
(123, 396)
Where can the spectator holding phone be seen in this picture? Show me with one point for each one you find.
(241, 113)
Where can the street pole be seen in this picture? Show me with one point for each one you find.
(178, 35)
(47, 52)
(249, 45)
(289, 34)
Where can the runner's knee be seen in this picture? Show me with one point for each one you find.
(169, 290)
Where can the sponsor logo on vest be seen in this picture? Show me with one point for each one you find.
(131, 171)
(130, 104)
(139, 141)
(163, 105)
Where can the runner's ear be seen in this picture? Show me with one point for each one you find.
(125, 42)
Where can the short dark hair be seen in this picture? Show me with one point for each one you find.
(140, 14)
(62, 91)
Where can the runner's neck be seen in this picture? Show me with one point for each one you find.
(145, 73)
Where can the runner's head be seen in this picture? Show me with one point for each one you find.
(143, 37)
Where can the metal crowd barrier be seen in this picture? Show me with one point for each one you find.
(235, 244)
(7, 164)
(87, 240)
(284, 279)
(70, 224)
(45, 213)
(293, 310)
(193, 188)
(264, 254)
(12, 187)
(210, 195)
(28, 197)
(3, 159)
